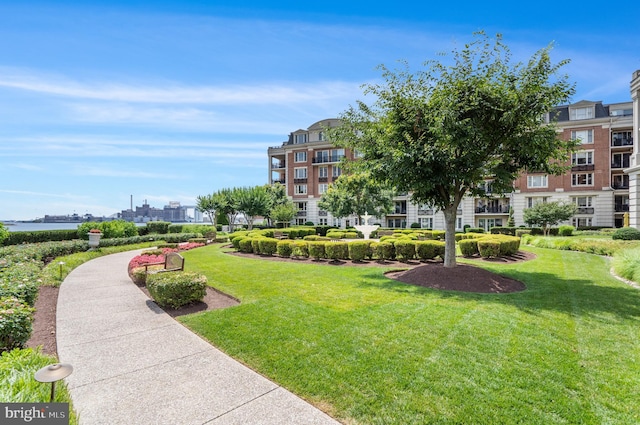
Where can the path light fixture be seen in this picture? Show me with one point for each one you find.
(61, 263)
(53, 373)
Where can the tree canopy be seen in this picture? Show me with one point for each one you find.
(547, 214)
(440, 132)
(357, 194)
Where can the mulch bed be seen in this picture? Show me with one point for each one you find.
(463, 277)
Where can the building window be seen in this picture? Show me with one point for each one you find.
(337, 171)
(323, 172)
(300, 189)
(582, 158)
(535, 200)
(459, 225)
(581, 113)
(322, 157)
(581, 222)
(302, 206)
(621, 138)
(321, 136)
(582, 179)
(322, 188)
(583, 201)
(536, 181)
(585, 136)
(300, 138)
(300, 173)
(301, 156)
(621, 181)
(337, 155)
(426, 222)
(620, 160)
(323, 221)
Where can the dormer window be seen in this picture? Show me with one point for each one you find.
(581, 113)
(300, 138)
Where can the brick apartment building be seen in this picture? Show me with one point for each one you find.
(604, 179)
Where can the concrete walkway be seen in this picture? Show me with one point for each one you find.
(135, 365)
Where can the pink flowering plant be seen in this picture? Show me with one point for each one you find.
(153, 260)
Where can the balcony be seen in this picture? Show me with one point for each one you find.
(583, 167)
(616, 142)
(326, 159)
(323, 179)
(322, 213)
(278, 165)
(621, 208)
(281, 181)
(585, 210)
(301, 213)
(425, 211)
(617, 186)
(500, 209)
(299, 181)
(620, 164)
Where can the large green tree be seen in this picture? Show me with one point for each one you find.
(206, 204)
(357, 194)
(252, 202)
(439, 133)
(547, 214)
(278, 194)
(225, 202)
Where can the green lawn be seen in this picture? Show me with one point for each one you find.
(370, 350)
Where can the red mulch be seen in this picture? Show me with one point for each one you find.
(463, 277)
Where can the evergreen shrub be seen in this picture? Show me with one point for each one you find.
(337, 250)
(177, 289)
(16, 323)
(626, 234)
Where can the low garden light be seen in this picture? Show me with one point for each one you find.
(60, 264)
(53, 373)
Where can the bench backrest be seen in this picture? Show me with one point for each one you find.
(174, 261)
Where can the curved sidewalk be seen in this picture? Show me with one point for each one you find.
(134, 364)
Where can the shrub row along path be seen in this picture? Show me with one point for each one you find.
(134, 364)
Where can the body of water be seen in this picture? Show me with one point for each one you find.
(14, 226)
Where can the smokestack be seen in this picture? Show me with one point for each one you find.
(131, 202)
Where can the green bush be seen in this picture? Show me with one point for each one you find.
(521, 232)
(268, 246)
(255, 245)
(488, 248)
(177, 289)
(626, 263)
(335, 234)
(405, 249)
(109, 229)
(351, 235)
(316, 249)
(16, 323)
(469, 247)
(428, 250)
(160, 227)
(438, 234)
(626, 234)
(474, 230)
(300, 249)
(245, 245)
(358, 250)
(383, 250)
(337, 250)
(17, 238)
(284, 248)
(566, 230)
(511, 231)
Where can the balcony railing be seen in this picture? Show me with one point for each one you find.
(622, 208)
(583, 167)
(622, 142)
(425, 212)
(322, 213)
(281, 181)
(298, 181)
(500, 209)
(278, 165)
(620, 164)
(620, 185)
(326, 159)
(301, 213)
(585, 210)
(323, 179)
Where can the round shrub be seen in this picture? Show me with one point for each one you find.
(351, 235)
(438, 234)
(300, 249)
(428, 250)
(246, 245)
(317, 249)
(474, 230)
(521, 232)
(358, 250)
(332, 234)
(16, 323)
(566, 230)
(268, 246)
(468, 247)
(489, 248)
(337, 250)
(255, 245)
(284, 248)
(405, 249)
(384, 250)
(626, 234)
(177, 289)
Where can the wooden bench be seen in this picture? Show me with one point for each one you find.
(173, 262)
(280, 235)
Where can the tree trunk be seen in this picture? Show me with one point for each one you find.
(450, 236)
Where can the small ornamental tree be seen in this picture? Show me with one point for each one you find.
(439, 133)
(547, 214)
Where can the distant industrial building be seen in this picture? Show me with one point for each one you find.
(174, 212)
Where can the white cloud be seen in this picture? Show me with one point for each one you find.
(176, 93)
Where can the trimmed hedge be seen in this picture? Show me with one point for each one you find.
(268, 246)
(358, 250)
(284, 248)
(17, 238)
(626, 234)
(300, 249)
(337, 250)
(469, 247)
(428, 250)
(405, 249)
(177, 289)
(317, 249)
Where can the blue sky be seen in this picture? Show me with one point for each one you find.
(167, 100)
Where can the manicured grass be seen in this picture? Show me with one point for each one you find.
(370, 350)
